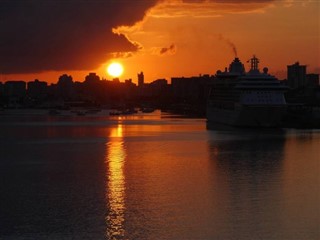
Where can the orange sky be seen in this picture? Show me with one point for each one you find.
(196, 37)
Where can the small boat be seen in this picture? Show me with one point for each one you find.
(129, 111)
(93, 111)
(114, 113)
(147, 110)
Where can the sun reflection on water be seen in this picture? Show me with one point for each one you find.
(115, 192)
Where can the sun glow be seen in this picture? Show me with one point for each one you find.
(115, 69)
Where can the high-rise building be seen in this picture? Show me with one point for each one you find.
(296, 75)
(140, 79)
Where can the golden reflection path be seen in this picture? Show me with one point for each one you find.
(115, 188)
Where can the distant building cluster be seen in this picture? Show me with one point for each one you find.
(297, 76)
(304, 87)
(183, 94)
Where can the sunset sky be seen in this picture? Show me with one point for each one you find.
(164, 39)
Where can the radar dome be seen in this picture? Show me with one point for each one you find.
(265, 70)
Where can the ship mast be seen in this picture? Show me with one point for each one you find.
(254, 64)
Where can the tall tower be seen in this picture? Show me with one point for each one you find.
(296, 75)
(140, 79)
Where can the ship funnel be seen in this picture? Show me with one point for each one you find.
(236, 66)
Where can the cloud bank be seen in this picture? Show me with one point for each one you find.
(38, 36)
(207, 8)
(46, 35)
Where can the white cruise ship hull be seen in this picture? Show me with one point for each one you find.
(253, 116)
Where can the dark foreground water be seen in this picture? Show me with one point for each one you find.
(153, 177)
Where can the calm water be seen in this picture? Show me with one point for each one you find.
(154, 177)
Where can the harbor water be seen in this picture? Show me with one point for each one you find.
(155, 176)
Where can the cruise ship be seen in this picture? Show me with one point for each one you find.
(246, 99)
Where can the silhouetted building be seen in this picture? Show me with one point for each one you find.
(128, 81)
(91, 88)
(2, 99)
(92, 78)
(296, 75)
(65, 88)
(159, 82)
(140, 79)
(1, 88)
(37, 89)
(14, 93)
(116, 80)
(65, 80)
(158, 87)
(190, 95)
(15, 89)
(312, 79)
(130, 89)
(193, 88)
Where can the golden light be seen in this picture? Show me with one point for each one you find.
(116, 184)
(115, 69)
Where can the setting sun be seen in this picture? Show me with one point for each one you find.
(115, 69)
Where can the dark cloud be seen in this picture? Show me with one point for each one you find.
(208, 8)
(193, 1)
(228, 1)
(40, 35)
(168, 50)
